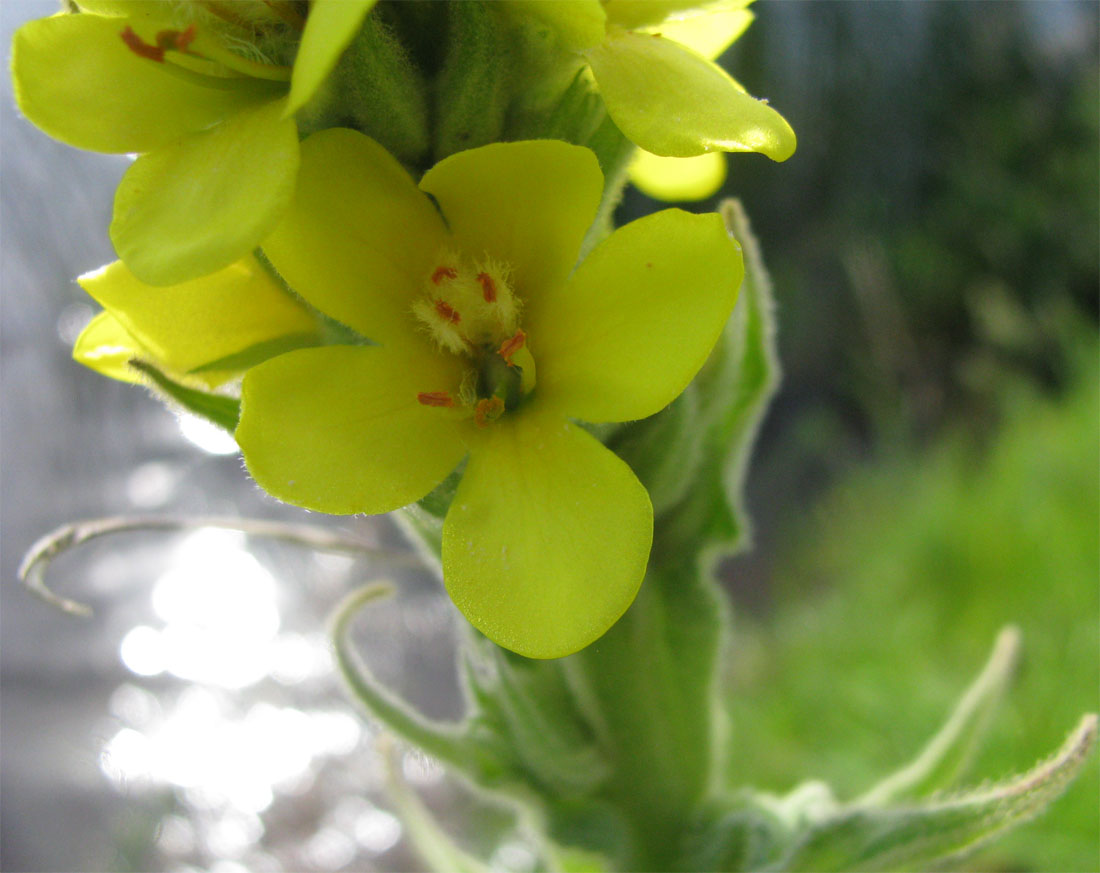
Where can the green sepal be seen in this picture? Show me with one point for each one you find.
(216, 408)
(533, 710)
(258, 353)
(383, 93)
(330, 26)
(425, 517)
(733, 390)
(614, 152)
(574, 115)
(663, 450)
(471, 96)
(430, 840)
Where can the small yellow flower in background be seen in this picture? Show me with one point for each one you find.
(489, 346)
(695, 178)
(189, 87)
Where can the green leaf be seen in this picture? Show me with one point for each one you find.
(216, 408)
(732, 833)
(861, 838)
(946, 757)
(206, 200)
(734, 388)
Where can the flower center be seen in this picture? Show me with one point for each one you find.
(471, 310)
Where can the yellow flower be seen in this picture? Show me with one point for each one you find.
(652, 61)
(214, 128)
(489, 346)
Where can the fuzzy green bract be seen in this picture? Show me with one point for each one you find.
(488, 347)
(201, 103)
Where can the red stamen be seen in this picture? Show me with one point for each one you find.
(488, 287)
(442, 273)
(447, 312)
(488, 410)
(176, 40)
(435, 398)
(140, 47)
(510, 346)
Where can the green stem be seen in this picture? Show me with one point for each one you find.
(650, 682)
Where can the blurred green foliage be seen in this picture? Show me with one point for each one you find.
(948, 152)
(892, 591)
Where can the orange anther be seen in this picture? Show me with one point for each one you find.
(510, 346)
(488, 287)
(447, 312)
(435, 398)
(442, 273)
(488, 410)
(140, 47)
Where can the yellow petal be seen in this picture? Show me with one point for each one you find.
(671, 101)
(359, 240)
(635, 14)
(77, 80)
(528, 204)
(672, 179)
(107, 347)
(208, 199)
(547, 540)
(637, 320)
(339, 429)
(710, 32)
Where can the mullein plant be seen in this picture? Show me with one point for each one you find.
(375, 242)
